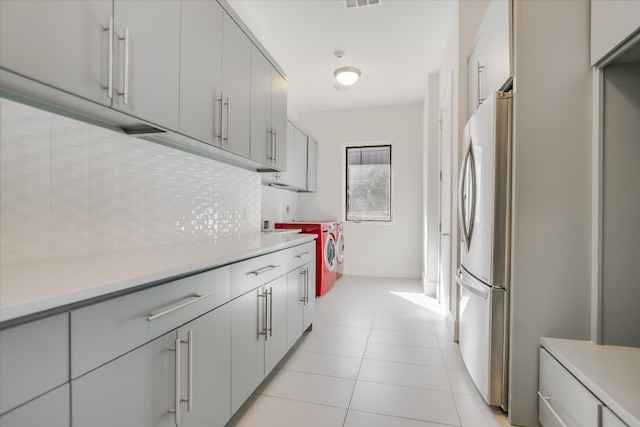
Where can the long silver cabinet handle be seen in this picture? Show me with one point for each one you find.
(264, 315)
(176, 409)
(227, 104)
(263, 270)
(190, 372)
(109, 87)
(275, 145)
(270, 293)
(219, 135)
(303, 254)
(270, 144)
(546, 402)
(125, 91)
(480, 100)
(180, 304)
(307, 280)
(304, 286)
(126, 66)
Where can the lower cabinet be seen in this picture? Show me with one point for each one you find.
(188, 352)
(209, 337)
(259, 330)
(301, 301)
(51, 410)
(178, 378)
(562, 398)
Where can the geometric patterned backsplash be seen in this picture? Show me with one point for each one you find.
(68, 188)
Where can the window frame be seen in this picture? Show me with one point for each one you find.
(345, 149)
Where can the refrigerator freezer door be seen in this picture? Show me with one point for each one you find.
(482, 336)
(484, 192)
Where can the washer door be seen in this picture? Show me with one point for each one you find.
(340, 247)
(330, 253)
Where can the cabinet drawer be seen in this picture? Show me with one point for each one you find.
(34, 358)
(254, 272)
(299, 255)
(609, 419)
(106, 330)
(561, 393)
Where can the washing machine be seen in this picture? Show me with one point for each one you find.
(339, 233)
(326, 261)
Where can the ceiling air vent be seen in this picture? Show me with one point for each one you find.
(360, 3)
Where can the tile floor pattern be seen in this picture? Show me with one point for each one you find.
(380, 355)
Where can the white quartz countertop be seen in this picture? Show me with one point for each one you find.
(33, 287)
(611, 373)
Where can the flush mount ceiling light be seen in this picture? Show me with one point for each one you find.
(347, 76)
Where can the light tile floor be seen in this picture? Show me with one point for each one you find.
(380, 355)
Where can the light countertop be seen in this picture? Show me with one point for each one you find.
(33, 287)
(611, 373)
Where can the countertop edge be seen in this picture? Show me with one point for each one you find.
(56, 303)
(576, 367)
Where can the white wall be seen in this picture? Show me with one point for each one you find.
(390, 249)
(551, 240)
(431, 187)
(278, 205)
(460, 40)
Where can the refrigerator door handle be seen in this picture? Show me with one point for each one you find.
(467, 229)
(472, 284)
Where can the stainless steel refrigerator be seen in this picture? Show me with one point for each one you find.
(484, 216)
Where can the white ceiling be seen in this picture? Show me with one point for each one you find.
(395, 44)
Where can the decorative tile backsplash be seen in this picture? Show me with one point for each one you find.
(68, 188)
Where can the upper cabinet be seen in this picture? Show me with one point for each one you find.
(268, 113)
(201, 71)
(300, 167)
(147, 60)
(489, 63)
(301, 171)
(62, 44)
(166, 69)
(312, 165)
(236, 91)
(613, 22)
(112, 53)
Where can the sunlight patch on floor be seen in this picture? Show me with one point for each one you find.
(422, 300)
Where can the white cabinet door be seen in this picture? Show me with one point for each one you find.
(248, 325)
(268, 113)
(262, 142)
(301, 301)
(309, 313)
(147, 60)
(275, 346)
(51, 410)
(135, 390)
(279, 88)
(563, 397)
(26, 371)
(295, 305)
(300, 142)
(312, 165)
(236, 88)
(61, 43)
(209, 338)
(489, 65)
(201, 70)
(612, 23)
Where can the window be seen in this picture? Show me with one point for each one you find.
(368, 183)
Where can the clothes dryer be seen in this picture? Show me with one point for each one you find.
(339, 230)
(325, 250)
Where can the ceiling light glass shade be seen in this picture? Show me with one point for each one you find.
(347, 76)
